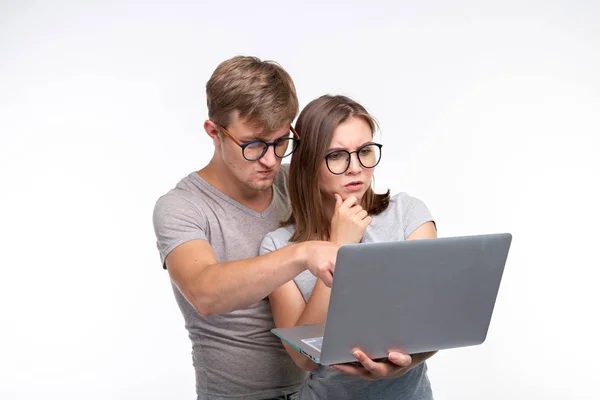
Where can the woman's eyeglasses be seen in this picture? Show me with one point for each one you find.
(368, 156)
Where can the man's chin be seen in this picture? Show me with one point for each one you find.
(260, 185)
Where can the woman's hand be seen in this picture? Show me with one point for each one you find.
(395, 366)
(349, 221)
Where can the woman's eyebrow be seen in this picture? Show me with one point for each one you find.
(343, 148)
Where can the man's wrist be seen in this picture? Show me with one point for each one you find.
(300, 257)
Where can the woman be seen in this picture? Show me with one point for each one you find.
(332, 199)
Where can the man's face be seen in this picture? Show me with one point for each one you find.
(255, 175)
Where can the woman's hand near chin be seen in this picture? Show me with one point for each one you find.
(349, 221)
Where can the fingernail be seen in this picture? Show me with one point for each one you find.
(400, 358)
(355, 354)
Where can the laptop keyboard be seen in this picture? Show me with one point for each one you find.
(315, 343)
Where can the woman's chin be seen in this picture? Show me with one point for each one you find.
(345, 195)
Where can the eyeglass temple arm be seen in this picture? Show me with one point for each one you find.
(229, 135)
(295, 133)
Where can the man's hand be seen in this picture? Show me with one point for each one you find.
(320, 259)
(349, 221)
(395, 366)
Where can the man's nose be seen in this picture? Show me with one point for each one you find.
(269, 159)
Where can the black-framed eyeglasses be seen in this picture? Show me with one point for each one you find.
(368, 156)
(256, 149)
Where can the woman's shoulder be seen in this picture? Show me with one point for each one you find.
(402, 216)
(400, 203)
(403, 210)
(279, 237)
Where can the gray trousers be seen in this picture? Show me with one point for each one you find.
(291, 396)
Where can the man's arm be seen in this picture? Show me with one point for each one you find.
(214, 288)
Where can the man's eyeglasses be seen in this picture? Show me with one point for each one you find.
(368, 156)
(256, 149)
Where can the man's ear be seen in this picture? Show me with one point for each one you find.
(213, 131)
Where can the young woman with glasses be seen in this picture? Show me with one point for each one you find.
(332, 198)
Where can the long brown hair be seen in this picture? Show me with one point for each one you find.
(315, 125)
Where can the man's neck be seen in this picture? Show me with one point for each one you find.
(223, 181)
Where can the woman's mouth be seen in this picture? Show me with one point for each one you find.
(354, 186)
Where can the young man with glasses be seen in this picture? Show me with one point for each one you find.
(210, 226)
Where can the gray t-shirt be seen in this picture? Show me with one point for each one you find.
(403, 215)
(234, 354)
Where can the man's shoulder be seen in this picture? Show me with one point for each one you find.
(282, 179)
(284, 171)
(185, 196)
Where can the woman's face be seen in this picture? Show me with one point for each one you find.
(351, 136)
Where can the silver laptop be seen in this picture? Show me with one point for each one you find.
(409, 296)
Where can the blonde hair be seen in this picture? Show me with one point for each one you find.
(261, 92)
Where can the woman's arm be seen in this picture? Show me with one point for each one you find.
(349, 223)
(287, 307)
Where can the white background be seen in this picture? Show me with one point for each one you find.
(490, 113)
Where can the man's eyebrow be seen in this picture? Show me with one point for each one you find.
(250, 139)
(255, 138)
(284, 135)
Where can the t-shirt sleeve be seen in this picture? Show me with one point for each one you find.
(268, 244)
(278, 239)
(176, 221)
(415, 213)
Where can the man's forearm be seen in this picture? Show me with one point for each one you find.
(229, 286)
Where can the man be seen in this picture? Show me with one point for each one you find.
(209, 229)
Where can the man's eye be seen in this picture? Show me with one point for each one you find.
(255, 145)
